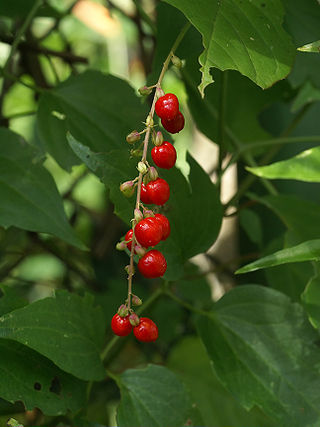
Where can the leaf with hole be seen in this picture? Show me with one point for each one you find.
(66, 329)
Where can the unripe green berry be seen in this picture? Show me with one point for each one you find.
(121, 246)
(158, 139)
(136, 153)
(152, 173)
(133, 137)
(138, 215)
(127, 269)
(123, 310)
(149, 121)
(127, 188)
(139, 250)
(136, 300)
(176, 61)
(147, 213)
(134, 319)
(145, 90)
(142, 168)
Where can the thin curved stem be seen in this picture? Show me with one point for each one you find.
(21, 32)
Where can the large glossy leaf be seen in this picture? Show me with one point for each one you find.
(31, 378)
(66, 329)
(247, 37)
(99, 110)
(29, 197)
(265, 352)
(300, 216)
(217, 406)
(303, 167)
(306, 251)
(195, 216)
(311, 300)
(152, 397)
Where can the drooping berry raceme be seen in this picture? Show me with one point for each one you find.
(167, 106)
(146, 331)
(153, 264)
(174, 125)
(158, 191)
(121, 326)
(165, 224)
(164, 156)
(148, 232)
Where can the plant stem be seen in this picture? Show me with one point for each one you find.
(185, 304)
(221, 128)
(21, 32)
(145, 150)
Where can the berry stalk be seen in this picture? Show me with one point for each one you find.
(149, 126)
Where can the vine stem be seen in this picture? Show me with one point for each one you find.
(21, 32)
(149, 124)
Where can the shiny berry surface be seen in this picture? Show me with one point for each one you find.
(167, 106)
(174, 125)
(128, 237)
(165, 225)
(121, 326)
(164, 156)
(153, 264)
(158, 191)
(146, 331)
(144, 196)
(148, 232)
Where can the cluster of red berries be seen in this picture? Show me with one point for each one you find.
(149, 228)
(144, 329)
(167, 108)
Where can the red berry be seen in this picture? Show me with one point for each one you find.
(164, 156)
(167, 106)
(121, 325)
(128, 238)
(144, 196)
(158, 191)
(146, 331)
(174, 125)
(165, 225)
(148, 232)
(153, 264)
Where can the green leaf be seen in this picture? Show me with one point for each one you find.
(33, 379)
(303, 167)
(244, 101)
(290, 279)
(113, 168)
(99, 110)
(246, 37)
(152, 397)
(302, 22)
(306, 95)
(29, 197)
(217, 406)
(201, 210)
(299, 215)
(265, 352)
(311, 47)
(66, 329)
(306, 251)
(311, 301)
(251, 223)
